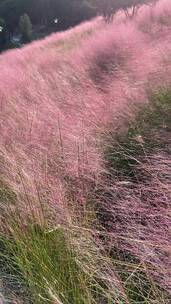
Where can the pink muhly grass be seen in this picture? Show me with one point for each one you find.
(140, 218)
(56, 105)
(52, 102)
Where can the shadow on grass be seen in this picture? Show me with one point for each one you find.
(150, 132)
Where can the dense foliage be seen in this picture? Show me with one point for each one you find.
(53, 15)
(69, 12)
(109, 7)
(2, 32)
(25, 28)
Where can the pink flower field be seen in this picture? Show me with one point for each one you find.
(84, 148)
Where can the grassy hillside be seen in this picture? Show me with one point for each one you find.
(85, 164)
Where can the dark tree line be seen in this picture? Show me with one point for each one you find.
(67, 12)
(109, 7)
(41, 12)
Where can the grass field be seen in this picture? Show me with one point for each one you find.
(85, 156)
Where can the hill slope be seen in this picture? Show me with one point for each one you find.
(65, 101)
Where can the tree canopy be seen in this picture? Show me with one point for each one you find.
(109, 7)
(68, 12)
(25, 27)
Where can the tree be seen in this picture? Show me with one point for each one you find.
(131, 6)
(109, 7)
(10, 11)
(25, 28)
(44, 12)
(3, 34)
